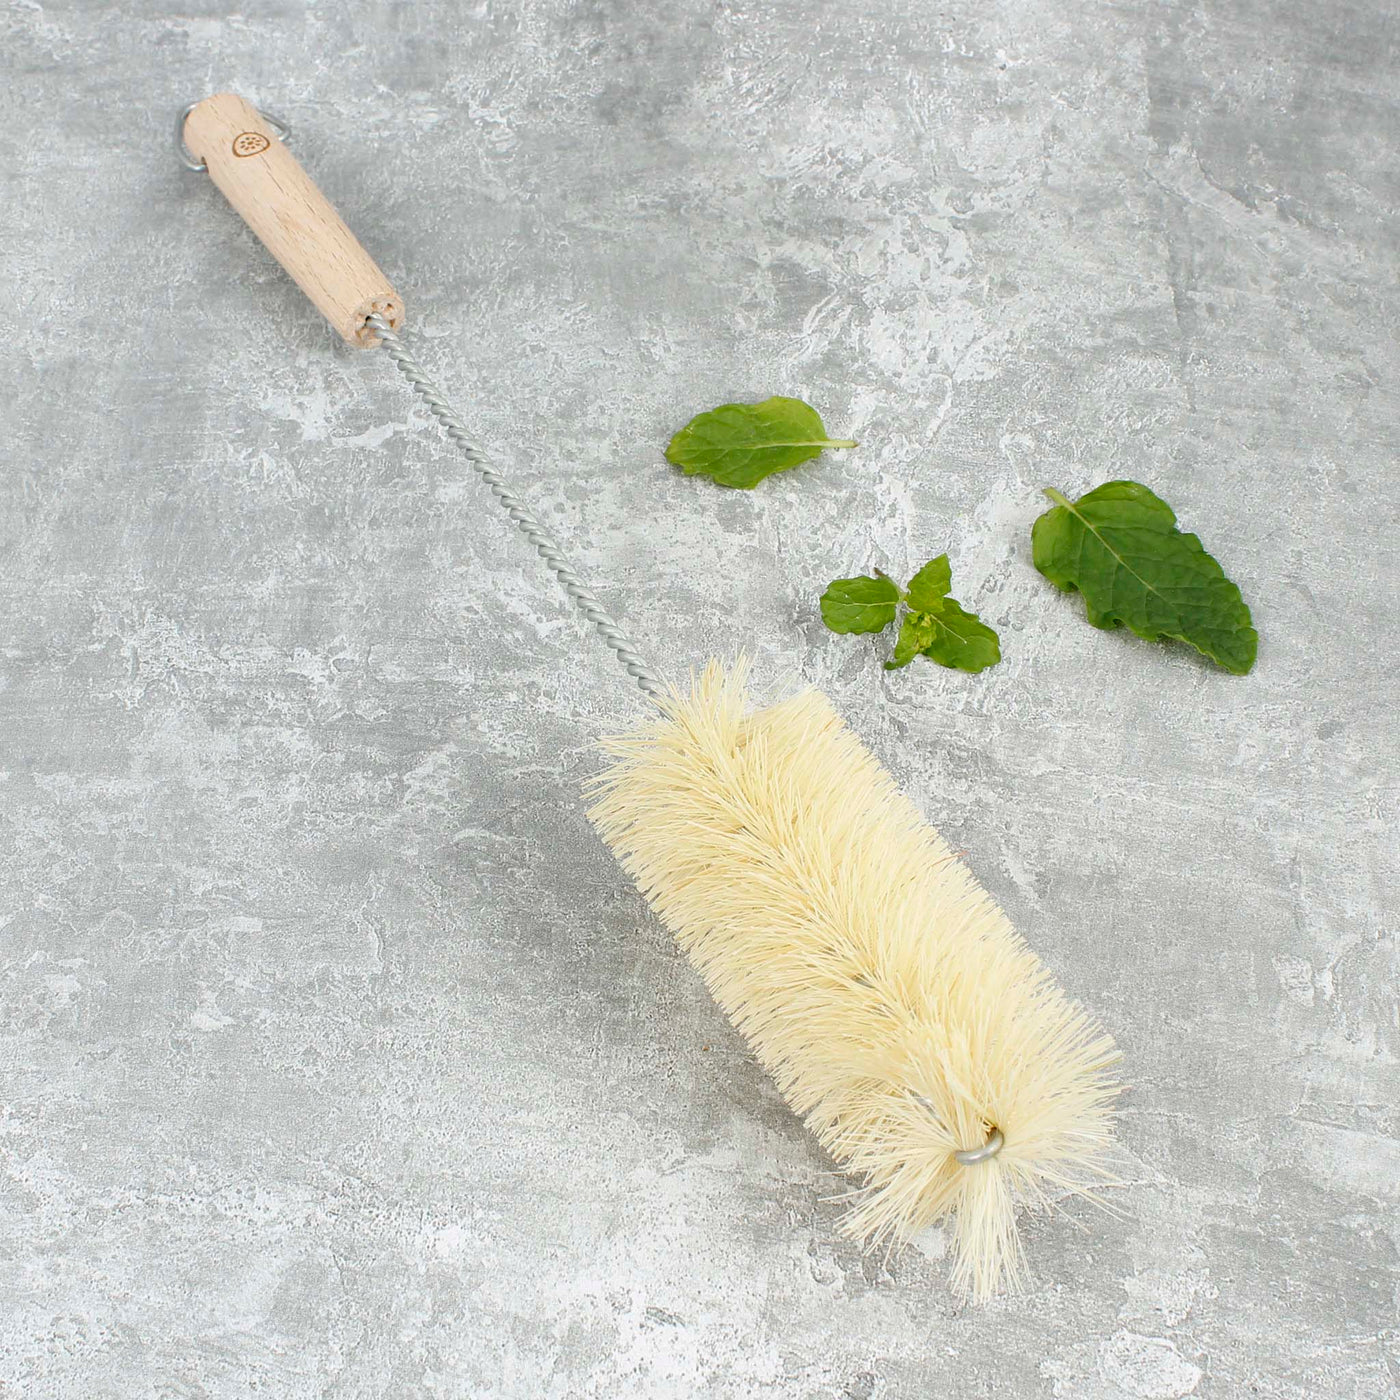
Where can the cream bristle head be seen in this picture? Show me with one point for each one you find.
(897, 1010)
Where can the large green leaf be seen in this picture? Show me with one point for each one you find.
(1120, 547)
(738, 444)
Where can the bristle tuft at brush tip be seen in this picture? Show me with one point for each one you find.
(898, 1011)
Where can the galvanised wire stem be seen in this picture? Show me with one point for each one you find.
(545, 545)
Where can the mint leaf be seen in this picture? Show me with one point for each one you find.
(738, 444)
(861, 604)
(930, 585)
(961, 640)
(933, 625)
(1119, 546)
(915, 633)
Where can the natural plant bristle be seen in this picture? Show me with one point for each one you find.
(899, 1013)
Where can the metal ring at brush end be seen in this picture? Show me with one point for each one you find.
(985, 1153)
(282, 129)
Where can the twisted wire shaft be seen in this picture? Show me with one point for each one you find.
(547, 548)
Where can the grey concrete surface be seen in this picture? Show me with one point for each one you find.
(337, 1057)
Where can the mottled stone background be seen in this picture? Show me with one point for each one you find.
(337, 1057)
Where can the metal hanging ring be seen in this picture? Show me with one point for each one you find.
(282, 130)
(985, 1153)
(969, 1156)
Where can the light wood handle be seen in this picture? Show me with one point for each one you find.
(297, 223)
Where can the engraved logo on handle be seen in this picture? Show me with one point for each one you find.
(250, 143)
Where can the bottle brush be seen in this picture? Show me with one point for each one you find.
(915, 1033)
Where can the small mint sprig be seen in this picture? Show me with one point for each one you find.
(934, 625)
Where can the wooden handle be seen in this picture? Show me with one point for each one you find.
(297, 223)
